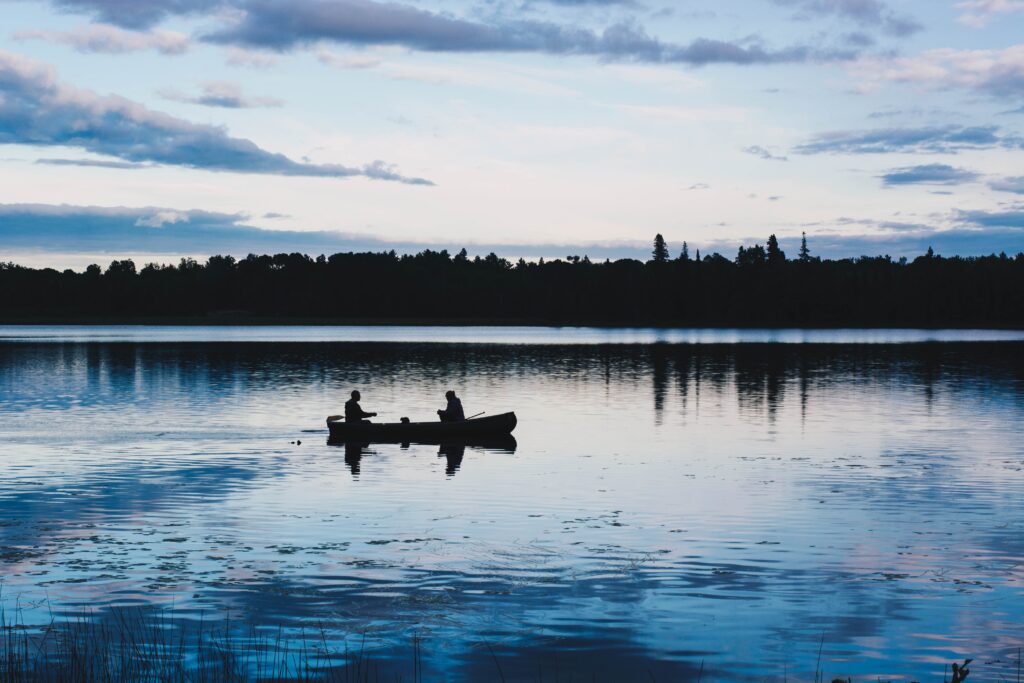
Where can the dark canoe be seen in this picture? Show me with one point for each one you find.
(423, 432)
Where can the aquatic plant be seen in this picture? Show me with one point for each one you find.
(154, 646)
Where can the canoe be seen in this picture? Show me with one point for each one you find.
(505, 443)
(398, 432)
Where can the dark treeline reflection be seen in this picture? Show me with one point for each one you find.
(762, 376)
(758, 287)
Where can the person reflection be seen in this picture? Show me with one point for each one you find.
(353, 455)
(454, 453)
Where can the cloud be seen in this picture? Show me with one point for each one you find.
(1014, 185)
(123, 231)
(349, 61)
(765, 154)
(282, 26)
(978, 13)
(996, 73)
(222, 94)
(591, 3)
(37, 110)
(63, 229)
(159, 219)
(928, 174)
(910, 240)
(871, 13)
(107, 39)
(93, 163)
(1013, 218)
(251, 59)
(151, 230)
(136, 13)
(928, 140)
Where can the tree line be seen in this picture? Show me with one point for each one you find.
(760, 286)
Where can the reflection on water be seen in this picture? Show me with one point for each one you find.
(452, 450)
(661, 506)
(505, 334)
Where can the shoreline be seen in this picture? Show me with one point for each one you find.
(265, 321)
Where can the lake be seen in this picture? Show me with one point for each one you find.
(677, 504)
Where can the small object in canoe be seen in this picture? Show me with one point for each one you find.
(493, 425)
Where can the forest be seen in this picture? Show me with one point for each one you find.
(760, 286)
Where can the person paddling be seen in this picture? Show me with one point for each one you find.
(354, 412)
(453, 412)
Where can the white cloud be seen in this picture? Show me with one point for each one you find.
(222, 94)
(253, 59)
(995, 72)
(107, 39)
(161, 218)
(37, 109)
(347, 61)
(977, 13)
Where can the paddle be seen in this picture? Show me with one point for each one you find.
(339, 418)
(477, 415)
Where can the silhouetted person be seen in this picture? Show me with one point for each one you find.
(353, 411)
(454, 453)
(353, 454)
(453, 412)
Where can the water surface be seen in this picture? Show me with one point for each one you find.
(665, 505)
(447, 334)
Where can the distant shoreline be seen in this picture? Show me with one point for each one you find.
(270, 321)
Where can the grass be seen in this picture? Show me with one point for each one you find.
(144, 646)
(151, 646)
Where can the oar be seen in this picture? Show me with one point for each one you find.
(477, 415)
(339, 418)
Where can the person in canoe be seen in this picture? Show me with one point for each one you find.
(354, 412)
(453, 412)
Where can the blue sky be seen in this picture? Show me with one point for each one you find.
(158, 129)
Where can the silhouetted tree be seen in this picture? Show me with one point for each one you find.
(121, 269)
(805, 253)
(775, 254)
(660, 252)
(929, 290)
(751, 256)
(685, 255)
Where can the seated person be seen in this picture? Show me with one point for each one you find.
(453, 413)
(353, 411)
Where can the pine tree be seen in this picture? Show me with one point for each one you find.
(775, 254)
(685, 256)
(805, 253)
(660, 249)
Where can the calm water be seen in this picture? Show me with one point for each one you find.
(665, 505)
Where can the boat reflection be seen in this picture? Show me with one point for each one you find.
(454, 450)
(454, 453)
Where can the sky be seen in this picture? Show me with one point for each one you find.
(156, 129)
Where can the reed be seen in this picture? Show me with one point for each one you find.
(148, 646)
(152, 646)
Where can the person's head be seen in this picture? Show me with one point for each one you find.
(449, 394)
(355, 395)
